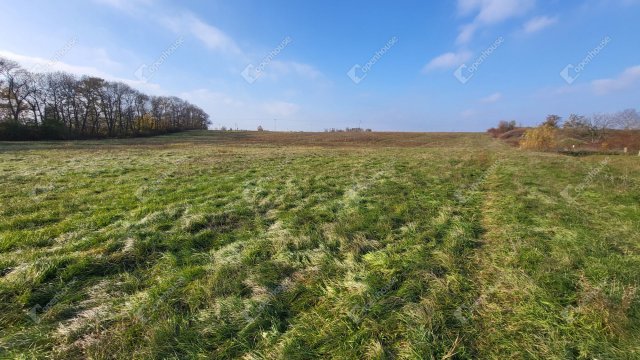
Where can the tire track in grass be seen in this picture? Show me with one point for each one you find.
(458, 226)
(414, 280)
(552, 284)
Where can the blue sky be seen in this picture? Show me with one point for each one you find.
(386, 65)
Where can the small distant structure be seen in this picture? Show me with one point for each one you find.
(357, 129)
(260, 128)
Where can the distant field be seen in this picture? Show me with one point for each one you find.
(317, 245)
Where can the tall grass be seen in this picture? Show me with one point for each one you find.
(209, 245)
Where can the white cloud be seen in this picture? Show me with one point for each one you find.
(182, 22)
(101, 56)
(280, 108)
(489, 12)
(495, 11)
(597, 4)
(495, 97)
(539, 23)
(447, 61)
(291, 67)
(228, 110)
(275, 70)
(212, 98)
(466, 33)
(38, 64)
(627, 79)
(466, 7)
(210, 35)
(468, 113)
(127, 6)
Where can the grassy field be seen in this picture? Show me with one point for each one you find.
(298, 246)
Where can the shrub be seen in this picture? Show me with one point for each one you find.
(552, 121)
(540, 138)
(503, 127)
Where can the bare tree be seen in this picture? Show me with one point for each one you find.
(602, 123)
(575, 121)
(88, 107)
(18, 86)
(37, 99)
(628, 119)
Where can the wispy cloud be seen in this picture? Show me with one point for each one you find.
(493, 98)
(281, 108)
(468, 113)
(538, 23)
(447, 60)
(179, 22)
(489, 12)
(294, 68)
(103, 58)
(466, 33)
(185, 22)
(226, 109)
(127, 6)
(627, 79)
(29, 62)
(212, 97)
(209, 35)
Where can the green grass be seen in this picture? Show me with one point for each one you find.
(298, 246)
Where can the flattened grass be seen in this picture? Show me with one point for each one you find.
(275, 245)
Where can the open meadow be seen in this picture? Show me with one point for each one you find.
(262, 245)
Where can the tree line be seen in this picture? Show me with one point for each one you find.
(62, 106)
(576, 132)
(595, 126)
